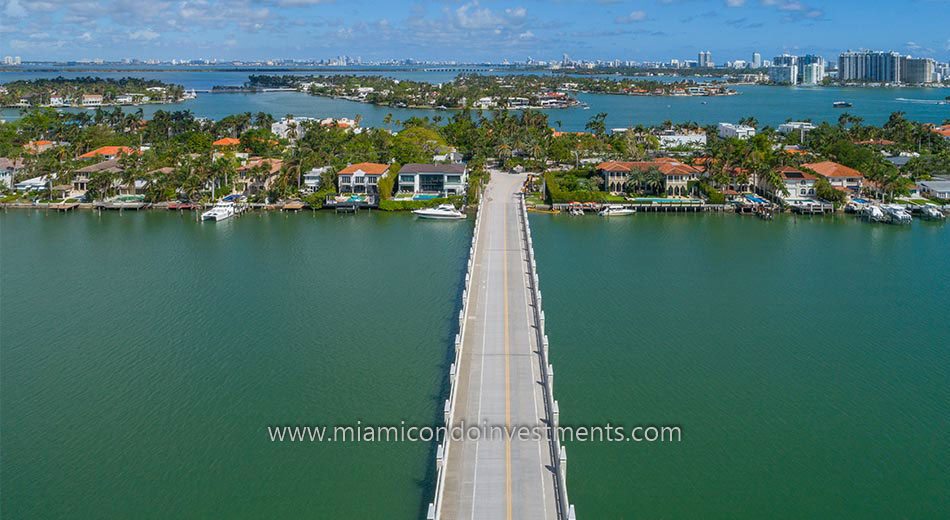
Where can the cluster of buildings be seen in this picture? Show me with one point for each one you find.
(12, 60)
(886, 67)
(412, 180)
(797, 70)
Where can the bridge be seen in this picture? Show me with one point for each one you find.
(500, 461)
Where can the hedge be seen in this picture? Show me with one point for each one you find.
(558, 196)
(408, 205)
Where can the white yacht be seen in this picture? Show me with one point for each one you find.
(897, 214)
(443, 212)
(222, 210)
(874, 213)
(616, 210)
(930, 212)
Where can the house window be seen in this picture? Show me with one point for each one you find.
(455, 179)
(407, 179)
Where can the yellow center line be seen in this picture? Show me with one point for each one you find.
(507, 366)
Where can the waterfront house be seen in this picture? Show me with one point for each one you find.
(40, 183)
(9, 168)
(361, 178)
(257, 175)
(124, 99)
(729, 130)
(798, 184)
(937, 188)
(313, 179)
(839, 175)
(56, 100)
(676, 176)
(91, 100)
(290, 127)
(108, 152)
(440, 179)
(82, 176)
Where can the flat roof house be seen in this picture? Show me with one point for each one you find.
(441, 179)
(91, 100)
(361, 178)
(839, 175)
(936, 188)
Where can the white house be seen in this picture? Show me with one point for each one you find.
(453, 157)
(729, 130)
(91, 100)
(8, 170)
(441, 179)
(361, 178)
(673, 139)
(56, 100)
(290, 127)
(35, 184)
(313, 179)
(124, 99)
(795, 126)
(935, 188)
(799, 184)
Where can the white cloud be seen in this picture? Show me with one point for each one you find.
(13, 9)
(633, 17)
(144, 35)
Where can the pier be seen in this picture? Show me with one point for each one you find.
(501, 378)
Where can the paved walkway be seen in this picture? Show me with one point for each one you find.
(499, 379)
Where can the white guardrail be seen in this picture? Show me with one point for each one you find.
(565, 509)
(442, 452)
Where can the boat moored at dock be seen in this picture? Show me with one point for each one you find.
(616, 210)
(896, 214)
(222, 210)
(442, 212)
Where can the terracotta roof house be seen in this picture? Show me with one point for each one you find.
(798, 183)
(361, 177)
(257, 175)
(108, 152)
(839, 175)
(38, 146)
(943, 131)
(226, 141)
(676, 175)
(8, 170)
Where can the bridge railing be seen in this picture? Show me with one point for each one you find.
(559, 452)
(442, 452)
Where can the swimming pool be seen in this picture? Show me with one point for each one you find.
(647, 200)
(424, 196)
(756, 199)
(860, 201)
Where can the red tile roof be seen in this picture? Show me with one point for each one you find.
(108, 151)
(943, 130)
(833, 169)
(665, 165)
(366, 168)
(226, 141)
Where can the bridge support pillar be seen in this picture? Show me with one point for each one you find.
(452, 374)
(545, 345)
(562, 463)
(542, 322)
(447, 413)
(440, 456)
(551, 378)
(556, 415)
(461, 319)
(458, 343)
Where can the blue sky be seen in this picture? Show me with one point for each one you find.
(471, 30)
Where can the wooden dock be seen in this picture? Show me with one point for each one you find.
(64, 206)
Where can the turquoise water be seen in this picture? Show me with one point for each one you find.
(805, 358)
(770, 105)
(143, 356)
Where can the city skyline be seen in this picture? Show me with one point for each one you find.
(471, 31)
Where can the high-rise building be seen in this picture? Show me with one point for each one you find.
(783, 74)
(705, 59)
(812, 67)
(874, 66)
(756, 60)
(785, 60)
(917, 71)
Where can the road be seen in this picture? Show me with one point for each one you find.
(499, 379)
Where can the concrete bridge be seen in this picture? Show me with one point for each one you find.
(502, 383)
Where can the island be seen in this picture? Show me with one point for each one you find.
(89, 92)
(477, 91)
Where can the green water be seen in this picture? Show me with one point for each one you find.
(806, 360)
(143, 356)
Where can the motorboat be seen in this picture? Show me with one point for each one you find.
(874, 214)
(442, 212)
(896, 214)
(842, 104)
(616, 210)
(222, 210)
(930, 212)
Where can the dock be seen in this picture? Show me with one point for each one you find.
(501, 379)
